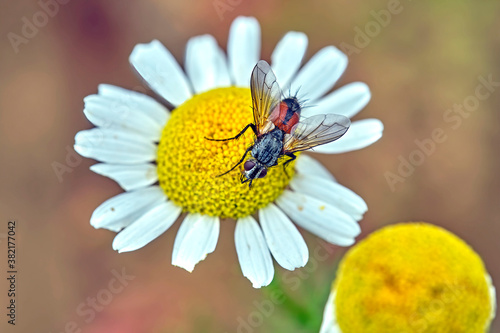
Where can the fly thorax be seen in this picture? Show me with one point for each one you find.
(293, 106)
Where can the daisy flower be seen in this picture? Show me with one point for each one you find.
(167, 167)
(422, 279)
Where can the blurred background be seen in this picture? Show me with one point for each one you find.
(428, 58)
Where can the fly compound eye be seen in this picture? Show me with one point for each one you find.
(248, 165)
(263, 173)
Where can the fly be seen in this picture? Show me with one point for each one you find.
(279, 131)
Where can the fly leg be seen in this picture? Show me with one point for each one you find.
(243, 181)
(292, 158)
(242, 159)
(252, 126)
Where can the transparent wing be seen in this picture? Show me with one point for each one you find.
(266, 93)
(315, 131)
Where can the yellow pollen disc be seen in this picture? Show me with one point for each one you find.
(188, 164)
(412, 277)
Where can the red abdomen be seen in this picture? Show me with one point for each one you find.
(284, 117)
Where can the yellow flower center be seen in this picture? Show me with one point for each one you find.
(188, 163)
(412, 277)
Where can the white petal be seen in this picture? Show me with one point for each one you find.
(136, 102)
(147, 228)
(254, 257)
(319, 218)
(129, 177)
(284, 240)
(206, 64)
(307, 165)
(361, 134)
(329, 324)
(161, 71)
(114, 146)
(243, 49)
(123, 209)
(346, 101)
(109, 113)
(320, 73)
(196, 238)
(330, 192)
(288, 55)
(493, 297)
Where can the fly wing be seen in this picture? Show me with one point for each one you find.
(266, 94)
(315, 131)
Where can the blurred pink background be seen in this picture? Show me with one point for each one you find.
(427, 59)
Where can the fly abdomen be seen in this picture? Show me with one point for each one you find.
(268, 149)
